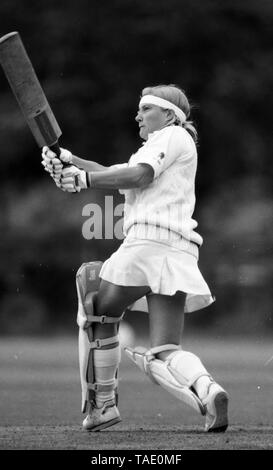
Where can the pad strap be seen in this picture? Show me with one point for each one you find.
(164, 347)
(98, 343)
(103, 319)
(97, 387)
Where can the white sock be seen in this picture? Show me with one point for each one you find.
(106, 362)
(189, 366)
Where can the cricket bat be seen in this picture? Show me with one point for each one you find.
(28, 91)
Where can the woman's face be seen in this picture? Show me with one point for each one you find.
(150, 118)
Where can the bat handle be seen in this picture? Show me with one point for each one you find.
(56, 149)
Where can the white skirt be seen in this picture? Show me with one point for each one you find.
(164, 268)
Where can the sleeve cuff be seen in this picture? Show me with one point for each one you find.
(155, 162)
(88, 179)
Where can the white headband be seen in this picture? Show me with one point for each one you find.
(151, 99)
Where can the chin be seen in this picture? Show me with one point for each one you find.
(143, 134)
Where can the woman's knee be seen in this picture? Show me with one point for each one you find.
(112, 300)
(107, 302)
(106, 305)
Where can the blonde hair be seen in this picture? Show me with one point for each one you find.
(175, 95)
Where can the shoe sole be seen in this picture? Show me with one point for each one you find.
(101, 426)
(221, 406)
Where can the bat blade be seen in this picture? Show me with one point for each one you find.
(28, 91)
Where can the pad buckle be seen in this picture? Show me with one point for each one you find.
(97, 343)
(102, 318)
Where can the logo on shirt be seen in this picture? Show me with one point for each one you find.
(160, 157)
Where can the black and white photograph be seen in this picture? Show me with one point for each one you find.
(136, 301)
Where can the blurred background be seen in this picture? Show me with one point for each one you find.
(93, 59)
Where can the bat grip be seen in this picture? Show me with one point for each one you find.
(56, 149)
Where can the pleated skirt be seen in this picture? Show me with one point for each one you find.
(164, 268)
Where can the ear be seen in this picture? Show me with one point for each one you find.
(170, 115)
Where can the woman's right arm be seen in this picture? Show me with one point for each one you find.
(87, 165)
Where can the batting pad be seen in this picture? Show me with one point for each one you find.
(162, 374)
(87, 282)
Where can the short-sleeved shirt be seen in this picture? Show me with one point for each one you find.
(167, 203)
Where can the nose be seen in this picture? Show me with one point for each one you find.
(138, 117)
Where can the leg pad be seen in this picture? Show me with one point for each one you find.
(162, 374)
(88, 282)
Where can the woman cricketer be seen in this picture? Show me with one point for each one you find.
(158, 260)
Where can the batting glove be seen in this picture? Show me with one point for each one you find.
(52, 164)
(66, 156)
(73, 179)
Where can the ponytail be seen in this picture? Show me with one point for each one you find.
(188, 125)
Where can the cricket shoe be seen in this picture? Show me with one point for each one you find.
(216, 406)
(101, 418)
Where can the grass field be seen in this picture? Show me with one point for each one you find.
(40, 399)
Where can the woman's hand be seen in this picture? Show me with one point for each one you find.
(52, 164)
(66, 156)
(73, 179)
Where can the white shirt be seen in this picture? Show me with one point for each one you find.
(167, 204)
